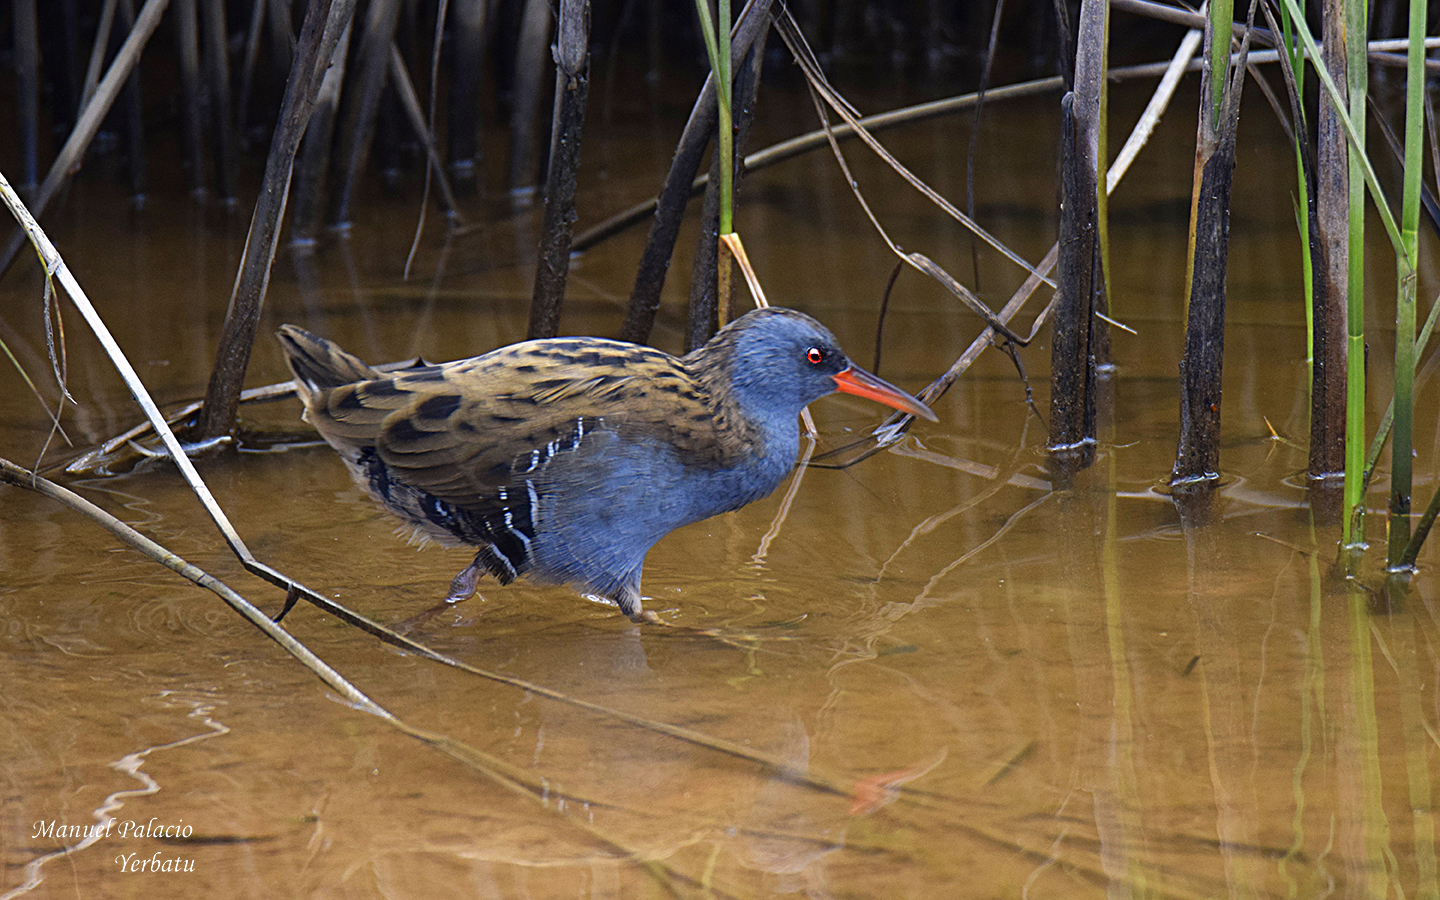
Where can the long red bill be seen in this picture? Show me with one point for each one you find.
(861, 383)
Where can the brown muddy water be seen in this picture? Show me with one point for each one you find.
(955, 682)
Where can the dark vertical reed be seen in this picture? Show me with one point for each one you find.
(217, 78)
(282, 37)
(1072, 375)
(248, 64)
(27, 88)
(703, 319)
(468, 41)
(1332, 214)
(89, 122)
(313, 165)
(572, 86)
(325, 22)
(1091, 66)
(669, 212)
(134, 112)
(675, 194)
(1197, 460)
(387, 142)
(68, 62)
(361, 105)
(187, 43)
(530, 68)
(409, 105)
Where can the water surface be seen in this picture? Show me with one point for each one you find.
(953, 681)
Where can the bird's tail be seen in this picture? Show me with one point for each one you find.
(319, 364)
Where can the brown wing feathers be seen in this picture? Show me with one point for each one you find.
(462, 429)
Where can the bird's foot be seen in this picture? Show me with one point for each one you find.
(462, 586)
(645, 617)
(630, 605)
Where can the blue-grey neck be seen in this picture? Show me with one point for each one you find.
(758, 366)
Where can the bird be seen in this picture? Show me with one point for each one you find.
(566, 459)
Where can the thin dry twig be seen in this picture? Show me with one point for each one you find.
(432, 162)
(790, 33)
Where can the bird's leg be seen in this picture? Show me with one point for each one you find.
(462, 586)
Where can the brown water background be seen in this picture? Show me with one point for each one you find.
(1086, 700)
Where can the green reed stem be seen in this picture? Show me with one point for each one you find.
(1296, 55)
(1401, 459)
(1354, 133)
(1357, 78)
(1382, 434)
(1221, 14)
(725, 143)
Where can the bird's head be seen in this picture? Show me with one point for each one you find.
(779, 360)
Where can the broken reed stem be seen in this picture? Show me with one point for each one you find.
(1197, 459)
(1081, 338)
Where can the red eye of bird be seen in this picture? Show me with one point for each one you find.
(815, 355)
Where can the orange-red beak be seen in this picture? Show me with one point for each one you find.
(861, 383)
